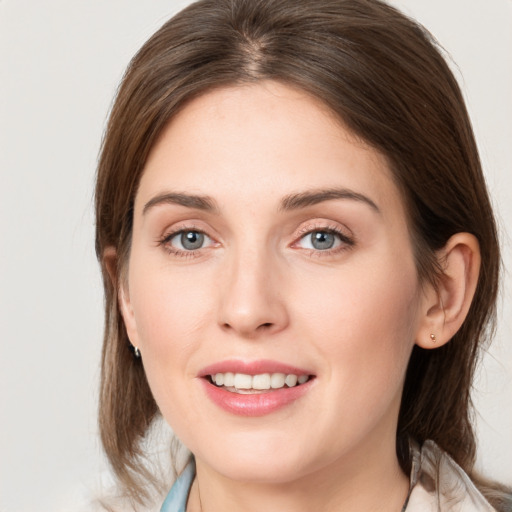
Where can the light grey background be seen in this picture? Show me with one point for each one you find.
(60, 63)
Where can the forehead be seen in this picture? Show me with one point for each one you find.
(265, 140)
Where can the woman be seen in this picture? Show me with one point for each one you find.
(300, 262)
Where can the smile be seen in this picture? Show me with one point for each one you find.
(252, 384)
(255, 388)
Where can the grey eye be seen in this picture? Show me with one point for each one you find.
(191, 240)
(322, 240)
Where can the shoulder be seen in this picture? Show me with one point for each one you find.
(438, 484)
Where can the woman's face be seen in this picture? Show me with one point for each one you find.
(270, 243)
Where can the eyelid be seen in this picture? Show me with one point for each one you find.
(170, 230)
(323, 225)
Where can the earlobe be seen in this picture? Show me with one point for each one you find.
(128, 317)
(446, 306)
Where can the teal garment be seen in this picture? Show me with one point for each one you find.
(176, 500)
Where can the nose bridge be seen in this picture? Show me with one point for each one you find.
(251, 300)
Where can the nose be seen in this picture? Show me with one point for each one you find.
(252, 301)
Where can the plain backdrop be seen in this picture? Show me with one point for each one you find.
(60, 63)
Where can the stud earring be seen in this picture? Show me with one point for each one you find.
(433, 338)
(136, 351)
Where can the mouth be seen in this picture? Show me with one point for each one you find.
(246, 384)
(255, 388)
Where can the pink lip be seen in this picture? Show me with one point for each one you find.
(253, 404)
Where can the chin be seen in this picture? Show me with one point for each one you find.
(261, 470)
(259, 460)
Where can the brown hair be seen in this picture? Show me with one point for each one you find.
(384, 76)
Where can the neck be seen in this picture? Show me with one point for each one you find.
(368, 479)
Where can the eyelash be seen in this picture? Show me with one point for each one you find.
(347, 242)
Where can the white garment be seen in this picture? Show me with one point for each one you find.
(438, 484)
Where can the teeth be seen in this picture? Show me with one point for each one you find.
(277, 380)
(243, 381)
(291, 380)
(262, 381)
(229, 379)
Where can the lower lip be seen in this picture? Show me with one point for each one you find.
(258, 404)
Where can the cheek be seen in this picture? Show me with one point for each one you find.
(170, 311)
(168, 308)
(363, 325)
(365, 319)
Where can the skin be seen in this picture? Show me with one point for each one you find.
(258, 289)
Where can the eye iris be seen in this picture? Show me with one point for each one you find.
(322, 240)
(191, 240)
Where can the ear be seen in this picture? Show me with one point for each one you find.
(110, 261)
(445, 308)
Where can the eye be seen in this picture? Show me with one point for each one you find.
(319, 240)
(188, 240)
(324, 240)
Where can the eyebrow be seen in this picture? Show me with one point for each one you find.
(310, 198)
(196, 202)
(290, 202)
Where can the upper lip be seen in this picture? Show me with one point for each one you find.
(251, 368)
